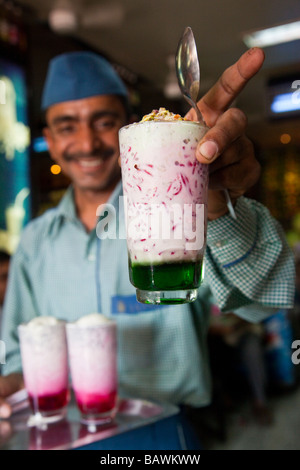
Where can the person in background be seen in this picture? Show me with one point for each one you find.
(62, 268)
(237, 349)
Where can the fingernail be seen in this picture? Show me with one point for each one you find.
(209, 149)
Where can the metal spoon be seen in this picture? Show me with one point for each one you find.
(188, 76)
(188, 70)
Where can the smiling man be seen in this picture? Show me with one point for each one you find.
(82, 133)
(82, 138)
(63, 269)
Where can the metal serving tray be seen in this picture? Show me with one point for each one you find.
(69, 433)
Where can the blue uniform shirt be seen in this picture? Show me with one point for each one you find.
(61, 270)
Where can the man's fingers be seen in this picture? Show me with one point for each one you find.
(230, 84)
(238, 150)
(229, 127)
(238, 179)
(5, 409)
(238, 176)
(5, 431)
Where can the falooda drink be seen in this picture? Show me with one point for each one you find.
(92, 345)
(165, 195)
(45, 366)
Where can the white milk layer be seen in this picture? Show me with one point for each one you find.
(43, 321)
(165, 189)
(93, 319)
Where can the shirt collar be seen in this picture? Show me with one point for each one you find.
(66, 209)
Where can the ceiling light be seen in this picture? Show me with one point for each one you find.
(284, 103)
(171, 90)
(276, 35)
(55, 169)
(62, 21)
(285, 138)
(62, 17)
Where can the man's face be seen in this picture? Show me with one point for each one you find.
(4, 267)
(82, 136)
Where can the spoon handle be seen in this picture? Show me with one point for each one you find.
(229, 204)
(199, 114)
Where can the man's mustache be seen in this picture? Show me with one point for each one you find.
(104, 154)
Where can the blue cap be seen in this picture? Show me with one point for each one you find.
(76, 75)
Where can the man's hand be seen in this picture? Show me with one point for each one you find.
(225, 147)
(9, 384)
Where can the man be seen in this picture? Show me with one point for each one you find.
(62, 268)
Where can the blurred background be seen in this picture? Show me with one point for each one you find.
(140, 39)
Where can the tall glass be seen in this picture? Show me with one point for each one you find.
(45, 367)
(93, 366)
(165, 196)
